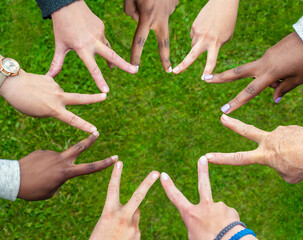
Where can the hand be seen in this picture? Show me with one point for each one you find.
(151, 14)
(205, 220)
(77, 28)
(40, 96)
(42, 173)
(213, 27)
(122, 222)
(279, 68)
(280, 149)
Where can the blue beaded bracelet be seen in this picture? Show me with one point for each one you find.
(226, 229)
(242, 233)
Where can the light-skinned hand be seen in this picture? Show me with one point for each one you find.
(42, 173)
(40, 96)
(279, 68)
(151, 14)
(205, 220)
(77, 28)
(213, 27)
(280, 149)
(117, 221)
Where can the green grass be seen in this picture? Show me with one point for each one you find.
(153, 121)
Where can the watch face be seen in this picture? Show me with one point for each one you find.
(10, 65)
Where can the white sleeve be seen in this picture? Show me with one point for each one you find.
(299, 27)
(9, 179)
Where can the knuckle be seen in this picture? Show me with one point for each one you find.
(238, 70)
(238, 158)
(113, 55)
(80, 147)
(95, 70)
(73, 121)
(138, 196)
(140, 41)
(113, 189)
(91, 167)
(247, 130)
(250, 89)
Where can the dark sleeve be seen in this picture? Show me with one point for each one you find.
(49, 6)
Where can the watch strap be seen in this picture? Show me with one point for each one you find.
(2, 78)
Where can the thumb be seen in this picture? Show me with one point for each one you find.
(283, 88)
(57, 63)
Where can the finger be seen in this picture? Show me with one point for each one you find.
(136, 217)
(110, 65)
(252, 90)
(141, 192)
(194, 53)
(248, 131)
(284, 87)
(212, 55)
(80, 147)
(94, 70)
(57, 62)
(111, 56)
(81, 99)
(130, 8)
(113, 191)
(174, 195)
(236, 159)
(89, 168)
(275, 84)
(75, 121)
(244, 71)
(162, 34)
(203, 181)
(140, 37)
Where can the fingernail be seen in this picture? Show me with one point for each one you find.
(170, 70)
(103, 95)
(225, 117)
(206, 77)
(134, 69)
(96, 133)
(155, 175)
(105, 89)
(115, 158)
(209, 156)
(278, 99)
(119, 165)
(203, 160)
(176, 70)
(93, 129)
(164, 176)
(225, 108)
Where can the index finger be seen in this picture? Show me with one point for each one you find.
(203, 181)
(140, 37)
(173, 193)
(141, 192)
(244, 71)
(248, 131)
(80, 147)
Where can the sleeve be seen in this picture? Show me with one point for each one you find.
(49, 6)
(299, 27)
(9, 179)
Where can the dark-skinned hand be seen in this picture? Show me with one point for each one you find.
(279, 68)
(42, 173)
(151, 14)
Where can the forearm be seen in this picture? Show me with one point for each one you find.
(49, 6)
(299, 27)
(9, 179)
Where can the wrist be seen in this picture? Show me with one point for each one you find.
(234, 231)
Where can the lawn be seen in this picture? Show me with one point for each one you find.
(153, 121)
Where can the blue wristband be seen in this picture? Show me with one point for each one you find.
(226, 229)
(242, 233)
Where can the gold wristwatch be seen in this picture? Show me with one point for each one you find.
(8, 67)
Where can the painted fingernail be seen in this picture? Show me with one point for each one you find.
(164, 176)
(203, 160)
(206, 77)
(225, 108)
(209, 156)
(96, 133)
(155, 175)
(176, 70)
(103, 95)
(134, 69)
(93, 129)
(105, 89)
(119, 165)
(115, 158)
(278, 99)
(224, 117)
(170, 70)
